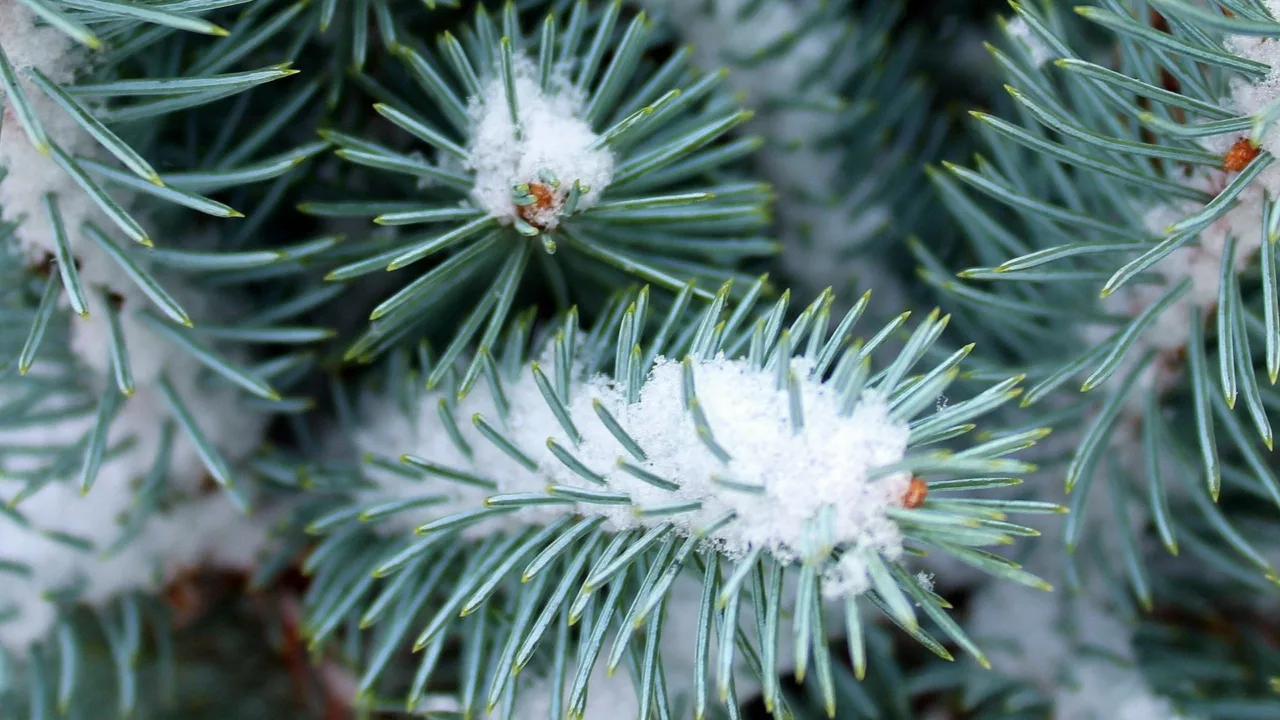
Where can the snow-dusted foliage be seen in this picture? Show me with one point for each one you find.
(497, 398)
(146, 517)
(778, 483)
(31, 172)
(544, 149)
(97, 541)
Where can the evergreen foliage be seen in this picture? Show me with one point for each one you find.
(412, 358)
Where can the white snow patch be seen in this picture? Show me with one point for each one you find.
(30, 46)
(31, 173)
(214, 404)
(825, 467)
(1112, 691)
(1025, 635)
(550, 138)
(1020, 32)
(202, 530)
(1200, 262)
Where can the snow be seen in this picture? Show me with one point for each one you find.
(1249, 96)
(90, 338)
(28, 45)
(1114, 692)
(191, 529)
(199, 530)
(926, 580)
(1020, 32)
(194, 530)
(725, 30)
(823, 468)
(1115, 689)
(551, 140)
(32, 173)
(1201, 262)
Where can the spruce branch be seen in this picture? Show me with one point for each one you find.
(646, 474)
(1165, 214)
(535, 151)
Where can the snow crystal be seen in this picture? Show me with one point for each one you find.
(925, 579)
(550, 141)
(825, 467)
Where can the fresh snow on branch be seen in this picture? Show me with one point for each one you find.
(32, 175)
(1201, 261)
(64, 538)
(186, 529)
(1259, 96)
(90, 542)
(547, 147)
(31, 172)
(777, 483)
